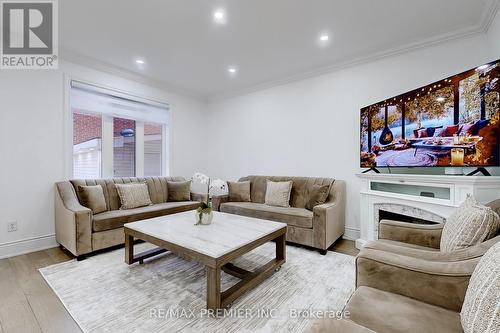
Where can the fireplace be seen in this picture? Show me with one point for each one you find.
(402, 212)
(399, 197)
(386, 215)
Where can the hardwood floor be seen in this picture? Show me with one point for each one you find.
(27, 304)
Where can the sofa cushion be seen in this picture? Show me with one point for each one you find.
(470, 224)
(383, 311)
(301, 187)
(179, 191)
(92, 197)
(117, 218)
(317, 196)
(298, 217)
(133, 195)
(278, 193)
(157, 188)
(239, 191)
(480, 311)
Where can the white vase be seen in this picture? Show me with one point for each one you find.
(205, 218)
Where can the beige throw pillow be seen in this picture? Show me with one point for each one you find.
(278, 193)
(239, 191)
(92, 197)
(179, 191)
(318, 196)
(471, 224)
(481, 309)
(133, 195)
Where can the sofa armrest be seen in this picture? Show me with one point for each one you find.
(428, 235)
(434, 282)
(73, 221)
(328, 223)
(218, 200)
(201, 197)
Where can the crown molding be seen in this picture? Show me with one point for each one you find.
(482, 27)
(105, 67)
(489, 15)
(348, 64)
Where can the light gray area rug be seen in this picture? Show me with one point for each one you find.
(167, 293)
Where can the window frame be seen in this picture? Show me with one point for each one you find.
(107, 170)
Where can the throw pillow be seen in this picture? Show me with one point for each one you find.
(479, 125)
(239, 191)
(278, 193)
(480, 312)
(450, 130)
(179, 191)
(471, 224)
(440, 132)
(92, 197)
(431, 131)
(317, 196)
(133, 195)
(422, 133)
(467, 129)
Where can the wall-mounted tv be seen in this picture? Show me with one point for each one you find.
(452, 122)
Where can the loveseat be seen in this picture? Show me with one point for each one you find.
(318, 228)
(82, 232)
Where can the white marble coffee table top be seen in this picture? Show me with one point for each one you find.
(227, 232)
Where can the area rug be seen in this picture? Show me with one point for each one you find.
(168, 294)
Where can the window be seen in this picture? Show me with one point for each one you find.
(117, 135)
(153, 134)
(87, 137)
(123, 147)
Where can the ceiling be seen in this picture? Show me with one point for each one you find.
(268, 41)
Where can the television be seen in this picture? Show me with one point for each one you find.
(451, 122)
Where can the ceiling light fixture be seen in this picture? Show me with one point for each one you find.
(139, 61)
(231, 70)
(324, 38)
(220, 16)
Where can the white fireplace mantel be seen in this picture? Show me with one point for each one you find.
(429, 197)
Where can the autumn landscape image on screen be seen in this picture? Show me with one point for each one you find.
(452, 122)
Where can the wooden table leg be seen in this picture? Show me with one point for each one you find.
(129, 249)
(213, 288)
(281, 247)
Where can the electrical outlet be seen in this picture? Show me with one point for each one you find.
(12, 226)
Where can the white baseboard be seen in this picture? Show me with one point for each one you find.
(27, 245)
(351, 233)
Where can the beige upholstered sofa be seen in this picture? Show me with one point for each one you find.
(318, 228)
(81, 232)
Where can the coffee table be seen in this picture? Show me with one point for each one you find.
(215, 246)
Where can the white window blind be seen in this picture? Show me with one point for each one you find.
(90, 98)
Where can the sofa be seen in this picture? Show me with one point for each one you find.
(81, 232)
(318, 228)
(405, 284)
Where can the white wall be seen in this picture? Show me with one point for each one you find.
(311, 127)
(32, 147)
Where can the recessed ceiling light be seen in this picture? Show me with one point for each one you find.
(324, 38)
(139, 61)
(231, 70)
(220, 16)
